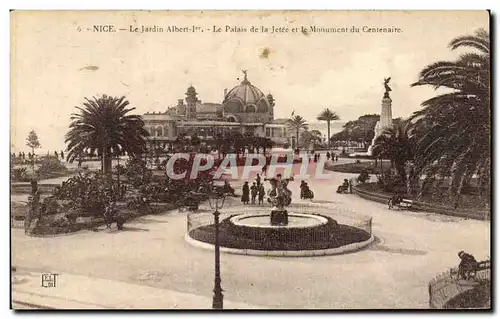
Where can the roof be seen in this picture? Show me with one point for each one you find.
(245, 94)
(160, 116)
(280, 121)
(208, 108)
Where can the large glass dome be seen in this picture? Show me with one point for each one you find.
(246, 98)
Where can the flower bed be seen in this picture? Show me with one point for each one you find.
(329, 235)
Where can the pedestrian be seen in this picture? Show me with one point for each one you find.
(328, 156)
(262, 192)
(258, 180)
(315, 157)
(264, 169)
(62, 155)
(109, 210)
(254, 191)
(245, 196)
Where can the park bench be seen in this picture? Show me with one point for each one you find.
(405, 204)
(402, 204)
(471, 273)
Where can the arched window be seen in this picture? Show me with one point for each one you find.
(250, 109)
(262, 106)
(159, 131)
(233, 106)
(231, 118)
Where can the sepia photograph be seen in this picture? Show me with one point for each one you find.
(250, 160)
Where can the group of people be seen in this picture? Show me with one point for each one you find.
(256, 191)
(22, 155)
(331, 155)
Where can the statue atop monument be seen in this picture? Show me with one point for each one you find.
(387, 87)
(245, 74)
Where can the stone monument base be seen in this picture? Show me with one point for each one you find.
(279, 217)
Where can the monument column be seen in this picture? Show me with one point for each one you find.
(386, 112)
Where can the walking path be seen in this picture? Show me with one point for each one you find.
(84, 292)
(393, 272)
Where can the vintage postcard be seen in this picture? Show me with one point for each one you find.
(250, 160)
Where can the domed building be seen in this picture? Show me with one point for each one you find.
(245, 103)
(244, 109)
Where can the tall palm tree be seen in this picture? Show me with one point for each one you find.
(328, 116)
(104, 126)
(458, 134)
(297, 123)
(395, 144)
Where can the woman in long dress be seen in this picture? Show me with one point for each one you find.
(245, 197)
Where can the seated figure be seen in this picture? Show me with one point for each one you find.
(467, 264)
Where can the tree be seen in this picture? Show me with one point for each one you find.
(297, 123)
(395, 144)
(195, 142)
(104, 125)
(267, 143)
(311, 137)
(328, 116)
(360, 130)
(33, 142)
(456, 142)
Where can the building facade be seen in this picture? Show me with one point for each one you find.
(244, 109)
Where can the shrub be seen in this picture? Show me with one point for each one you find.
(137, 172)
(120, 169)
(19, 174)
(60, 221)
(389, 181)
(50, 206)
(50, 165)
(72, 217)
(87, 193)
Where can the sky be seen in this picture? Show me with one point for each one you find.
(56, 62)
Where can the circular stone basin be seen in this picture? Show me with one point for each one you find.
(264, 221)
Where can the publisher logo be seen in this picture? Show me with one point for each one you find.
(49, 280)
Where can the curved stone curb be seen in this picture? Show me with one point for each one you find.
(282, 253)
(425, 207)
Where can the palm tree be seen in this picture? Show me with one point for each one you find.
(104, 126)
(457, 141)
(395, 144)
(297, 123)
(328, 116)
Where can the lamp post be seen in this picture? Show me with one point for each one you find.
(216, 201)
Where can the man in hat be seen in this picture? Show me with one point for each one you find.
(467, 263)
